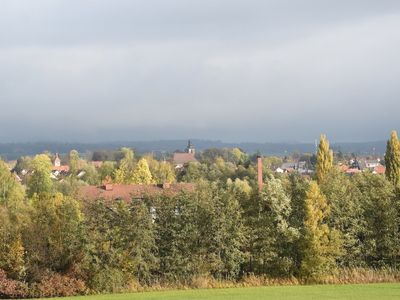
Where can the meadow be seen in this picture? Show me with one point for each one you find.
(334, 292)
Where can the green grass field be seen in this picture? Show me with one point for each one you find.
(354, 292)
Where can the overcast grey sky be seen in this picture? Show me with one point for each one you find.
(80, 70)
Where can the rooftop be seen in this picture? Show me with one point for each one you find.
(110, 192)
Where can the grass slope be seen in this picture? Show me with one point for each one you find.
(334, 292)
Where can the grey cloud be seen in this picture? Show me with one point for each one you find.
(231, 70)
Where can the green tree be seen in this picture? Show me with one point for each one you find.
(107, 170)
(193, 172)
(239, 156)
(239, 187)
(274, 234)
(221, 228)
(91, 175)
(40, 181)
(199, 233)
(296, 187)
(124, 172)
(176, 236)
(392, 159)
(142, 173)
(165, 173)
(23, 163)
(74, 161)
(138, 239)
(121, 243)
(12, 256)
(324, 159)
(11, 192)
(346, 216)
(381, 237)
(104, 260)
(321, 245)
(162, 171)
(54, 236)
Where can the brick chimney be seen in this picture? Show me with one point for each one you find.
(259, 173)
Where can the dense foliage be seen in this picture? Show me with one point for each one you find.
(54, 244)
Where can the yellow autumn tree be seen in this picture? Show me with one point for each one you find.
(392, 159)
(324, 159)
(142, 173)
(124, 172)
(321, 245)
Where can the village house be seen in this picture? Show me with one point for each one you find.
(58, 169)
(360, 165)
(289, 167)
(127, 192)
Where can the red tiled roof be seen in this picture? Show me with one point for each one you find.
(127, 192)
(379, 170)
(183, 158)
(343, 168)
(61, 168)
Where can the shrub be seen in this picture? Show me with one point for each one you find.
(12, 289)
(109, 280)
(56, 285)
(363, 275)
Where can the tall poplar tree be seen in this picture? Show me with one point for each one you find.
(321, 245)
(324, 159)
(392, 159)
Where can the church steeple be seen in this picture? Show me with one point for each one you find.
(190, 149)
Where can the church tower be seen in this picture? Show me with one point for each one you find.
(190, 149)
(57, 161)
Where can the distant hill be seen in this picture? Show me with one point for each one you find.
(12, 151)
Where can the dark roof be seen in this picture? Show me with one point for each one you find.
(128, 191)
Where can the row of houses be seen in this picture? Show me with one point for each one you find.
(357, 166)
(354, 166)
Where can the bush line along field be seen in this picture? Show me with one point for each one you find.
(317, 292)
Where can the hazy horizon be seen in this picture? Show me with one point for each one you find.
(228, 70)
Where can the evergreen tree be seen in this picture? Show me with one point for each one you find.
(324, 159)
(392, 159)
(321, 245)
(142, 173)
